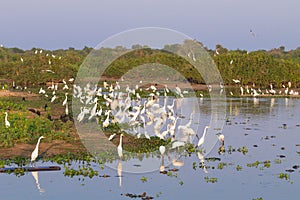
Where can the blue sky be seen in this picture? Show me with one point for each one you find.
(54, 24)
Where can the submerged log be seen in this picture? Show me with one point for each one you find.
(30, 169)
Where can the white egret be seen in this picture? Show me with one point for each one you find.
(221, 138)
(42, 91)
(66, 99)
(236, 80)
(201, 140)
(111, 136)
(94, 109)
(162, 150)
(7, 123)
(35, 152)
(120, 149)
(83, 111)
(105, 84)
(171, 107)
(177, 144)
(242, 90)
(67, 109)
(106, 122)
(53, 98)
(66, 87)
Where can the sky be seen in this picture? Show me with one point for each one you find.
(56, 24)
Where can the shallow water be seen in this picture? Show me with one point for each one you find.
(254, 123)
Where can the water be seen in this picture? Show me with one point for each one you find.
(254, 123)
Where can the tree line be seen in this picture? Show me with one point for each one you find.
(37, 66)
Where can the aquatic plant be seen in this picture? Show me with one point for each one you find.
(210, 180)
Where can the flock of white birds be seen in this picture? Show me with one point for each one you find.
(286, 90)
(154, 115)
(157, 114)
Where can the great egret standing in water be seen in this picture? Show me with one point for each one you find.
(201, 140)
(35, 152)
(221, 138)
(162, 150)
(120, 149)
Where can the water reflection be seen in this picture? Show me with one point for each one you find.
(254, 165)
(35, 175)
(201, 158)
(119, 170)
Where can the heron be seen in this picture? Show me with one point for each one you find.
(7, 123)
(67, 109)
(35, 152)
(66, 99)
(106, 122)
(111, 136)
(120, 149)
(162, 150)
(221, 138)
(201, 140)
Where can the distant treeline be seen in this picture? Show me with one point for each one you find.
(36, 66)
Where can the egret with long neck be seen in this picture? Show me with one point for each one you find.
(7, 124)
(201, 140)
(35, 152)
(120, 149)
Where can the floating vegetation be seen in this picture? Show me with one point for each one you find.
(239, 168)
(180, 182)
(230, 149)
(142, 196)
(212, 159)
(81, 171)
(255, 164)
(210, 180)
(221, 165)
(144, 179)
(265, 164)
(284, 176)
(243, 150)
(277, 161)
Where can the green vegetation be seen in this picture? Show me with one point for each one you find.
(239, 167)
(261, 67)
(210, 180)
(27, 128)
(284, 176)
(144, 179)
